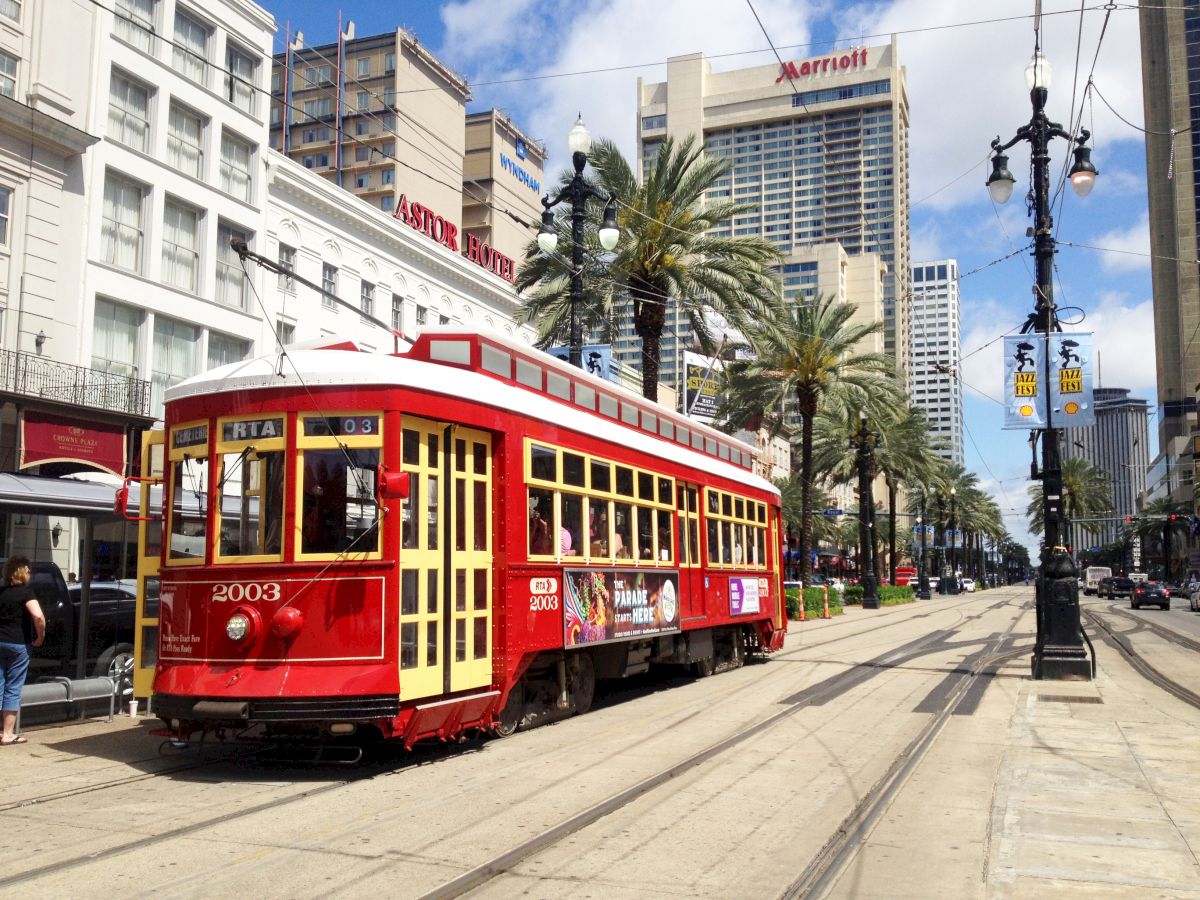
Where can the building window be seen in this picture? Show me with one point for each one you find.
(135, 22)
(363, 100)
(361, 181)
(388, 176)
(422, 315)
(8, 75)
(122, 229)
(443, 320)
(191, 48)
(329, 283)
(318, 109)
(649, 122)
(366, 299)
(316, 161)
(223, 350)
(287, 262)
(129, 112)
(276, 115)
(5, 200)
(389, 148)
(185, 135)
(362, 128)
(387, 203)
(174, 357)
(389, 63)
(181, 246)
(11, 9)
(285, 332)
(231, 281)
(114, 338)
(362, 154)
(364, 66)
(397, 313)
(236, 155)
(240, 69)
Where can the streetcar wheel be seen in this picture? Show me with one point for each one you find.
(702, 668)
(583, 683)
(513, 712)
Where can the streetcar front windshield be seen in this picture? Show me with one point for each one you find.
(251, 503)
(340, 511)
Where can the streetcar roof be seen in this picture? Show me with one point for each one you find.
(337, 367)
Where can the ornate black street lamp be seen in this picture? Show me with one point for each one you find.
(1058, 652)
(578, 192)
(865, 442)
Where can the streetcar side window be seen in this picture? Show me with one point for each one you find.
(736, 534)
(541, 522)
(187, 530)
(189, 508)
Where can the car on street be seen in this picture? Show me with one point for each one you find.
(968, 585)
(1150, 593)
(1115, 586)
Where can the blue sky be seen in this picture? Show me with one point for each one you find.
(965, 86)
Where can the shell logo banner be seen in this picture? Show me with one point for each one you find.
(1024, 371)
(1071, 361)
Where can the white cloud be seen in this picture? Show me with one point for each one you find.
(1119, 326)
(1130, 247)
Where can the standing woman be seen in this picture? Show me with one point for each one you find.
(18, 608)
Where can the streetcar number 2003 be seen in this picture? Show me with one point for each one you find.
(247, 593)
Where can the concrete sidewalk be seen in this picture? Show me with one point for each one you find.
(1049, 789)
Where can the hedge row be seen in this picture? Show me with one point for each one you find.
(814, 603)
(889, 595)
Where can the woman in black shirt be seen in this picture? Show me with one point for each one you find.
(18, 609)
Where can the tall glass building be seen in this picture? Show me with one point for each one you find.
(820, 145)
(933, 375)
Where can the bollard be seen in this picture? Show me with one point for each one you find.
(825, 614)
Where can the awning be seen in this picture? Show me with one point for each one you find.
(38, 495)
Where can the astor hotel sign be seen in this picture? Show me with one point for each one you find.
(423, 219)
(826, 65)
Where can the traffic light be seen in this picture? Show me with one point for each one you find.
(1129, 520)
(1172, 517)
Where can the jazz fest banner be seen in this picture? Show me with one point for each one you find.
(1071, 362)
(612, 605)
(1069, 392)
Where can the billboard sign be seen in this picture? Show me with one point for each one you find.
(597, 360)
(614, 605)
(1067, 390)
(703, 379)
(745, 595)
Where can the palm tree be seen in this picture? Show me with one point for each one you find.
(803, 353)
(665, 257)
(1162, 519)
(1086, 492)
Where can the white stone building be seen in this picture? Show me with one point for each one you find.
(934, 382)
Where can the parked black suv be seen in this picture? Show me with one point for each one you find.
(112, 617)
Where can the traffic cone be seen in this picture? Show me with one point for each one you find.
(825, 614)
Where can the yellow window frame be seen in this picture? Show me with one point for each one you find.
(174, 455)
(750, 528)
(264, 445)
(333, 442)
(594, 496)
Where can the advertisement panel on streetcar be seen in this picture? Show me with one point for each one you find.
(609, 605)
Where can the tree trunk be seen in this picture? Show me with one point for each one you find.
(891, 485)
(649, 318)
(808, 412)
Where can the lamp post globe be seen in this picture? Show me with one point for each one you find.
(578, 192)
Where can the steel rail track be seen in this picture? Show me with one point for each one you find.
(1139, 663)
(487, 871)
(824, 693)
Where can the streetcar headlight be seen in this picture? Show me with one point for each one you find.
(237, 627)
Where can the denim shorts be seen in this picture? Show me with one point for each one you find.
(14, 665)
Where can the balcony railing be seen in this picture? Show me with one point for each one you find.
(35, 376)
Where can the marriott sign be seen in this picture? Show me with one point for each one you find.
(823, 65)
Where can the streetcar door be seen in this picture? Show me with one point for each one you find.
(691, 576)
(150, 527)
(445, 559)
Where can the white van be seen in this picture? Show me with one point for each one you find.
(1092, 576)
(1140, 577)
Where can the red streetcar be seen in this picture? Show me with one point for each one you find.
(463, 536)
